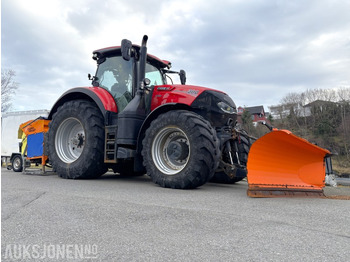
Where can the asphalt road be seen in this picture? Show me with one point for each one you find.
(46, 218)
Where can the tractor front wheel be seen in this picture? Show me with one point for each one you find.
(180, 150)
(76, 140)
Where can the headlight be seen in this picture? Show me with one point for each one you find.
(226, 108)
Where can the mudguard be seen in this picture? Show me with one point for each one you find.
(103, 99)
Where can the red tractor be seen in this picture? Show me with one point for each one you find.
(132, 120)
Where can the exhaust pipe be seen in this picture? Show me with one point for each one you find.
(143, 60)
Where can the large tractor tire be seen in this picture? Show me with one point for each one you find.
(243, 151)
(76, 140)
(180, 150)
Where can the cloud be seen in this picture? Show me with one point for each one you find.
(266, 46)
(257, 51)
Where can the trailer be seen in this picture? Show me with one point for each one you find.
(10, 142)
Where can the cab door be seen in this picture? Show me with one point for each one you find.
(116, 76)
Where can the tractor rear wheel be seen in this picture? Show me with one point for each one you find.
(76, 140)
(180, 150)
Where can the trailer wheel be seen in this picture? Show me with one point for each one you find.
(76, 140)
(17, 163)
(180, 150)
(243, 151)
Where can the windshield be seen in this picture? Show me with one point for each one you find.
(154, 75)
(115, 75)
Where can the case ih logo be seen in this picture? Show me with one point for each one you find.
(165, 88)
(192, 92)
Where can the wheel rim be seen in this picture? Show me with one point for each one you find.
(17, 163)
(70, 140)
(171, 150)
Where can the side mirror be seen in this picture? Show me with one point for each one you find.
(182, 77)
(94, 80)
(126, 49)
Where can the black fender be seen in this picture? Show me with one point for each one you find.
(101, 97)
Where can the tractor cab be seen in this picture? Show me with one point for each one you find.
(120, 76)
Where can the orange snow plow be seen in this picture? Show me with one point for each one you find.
(281, 164)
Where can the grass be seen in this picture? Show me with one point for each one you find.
(341, 165)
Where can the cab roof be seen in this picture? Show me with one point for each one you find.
(116, 50)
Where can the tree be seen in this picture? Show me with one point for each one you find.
(270, 119)
(344, 101)
(8, 88)
(326, 119)
(247, 121)
(294, 102)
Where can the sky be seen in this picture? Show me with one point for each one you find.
(256, 51)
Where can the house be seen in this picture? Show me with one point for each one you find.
(284, 110)
(279, 111)
(320, 104)
(257, 112)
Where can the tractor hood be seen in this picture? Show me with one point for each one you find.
(216, 106)
(212, 104)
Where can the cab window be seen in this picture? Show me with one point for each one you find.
(153, 74)
(115, 75)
